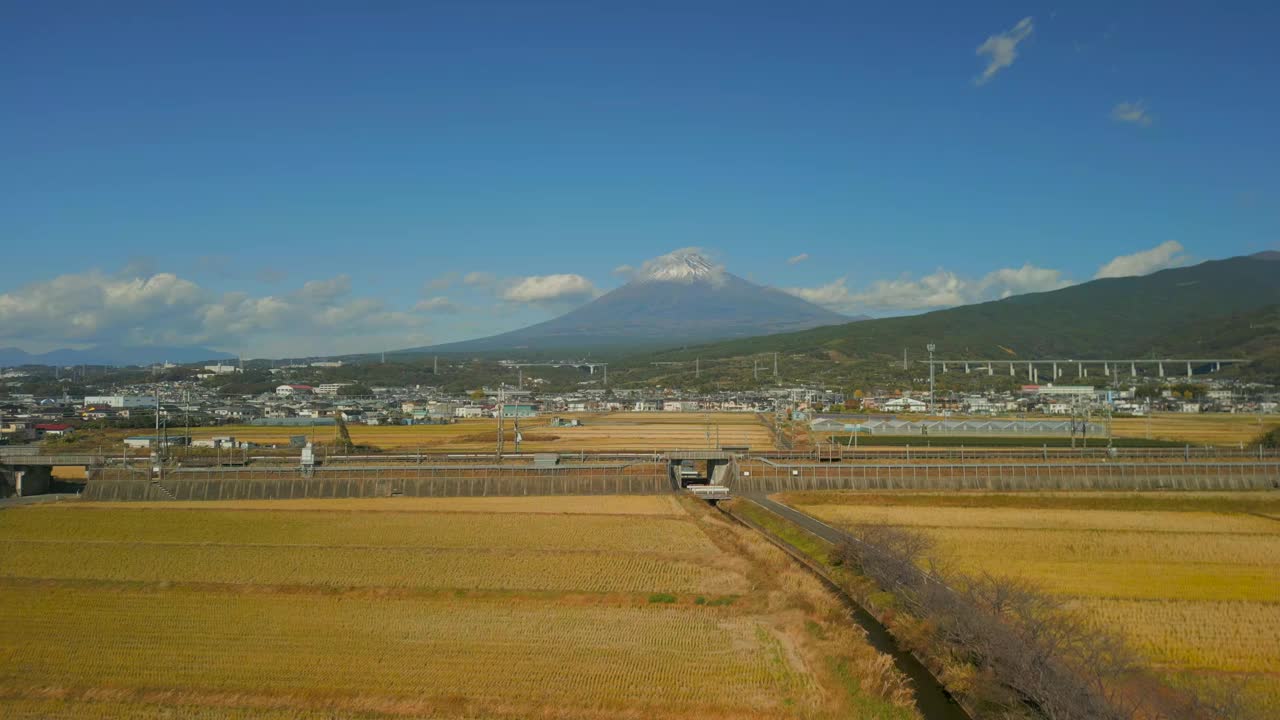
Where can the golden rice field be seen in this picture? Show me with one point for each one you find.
(1227, 429)
(666, 430)
(559, 607)
(1197, 592)
(598, 432)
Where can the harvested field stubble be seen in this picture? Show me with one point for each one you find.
(598, 432)
(430, 608)
(1227, 429)
(1197, 592)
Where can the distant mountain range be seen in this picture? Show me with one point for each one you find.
(115, 355)
(680, 298)
(1214, 308)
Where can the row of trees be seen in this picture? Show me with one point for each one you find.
(1011, 647)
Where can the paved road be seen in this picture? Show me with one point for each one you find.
(813, 525)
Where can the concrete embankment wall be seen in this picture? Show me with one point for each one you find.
(250, 484)
(763, 476)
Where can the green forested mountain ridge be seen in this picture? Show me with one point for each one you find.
(1216, 307)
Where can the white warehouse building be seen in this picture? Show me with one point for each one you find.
(121, 401)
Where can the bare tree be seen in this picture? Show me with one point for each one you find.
(1047, 659)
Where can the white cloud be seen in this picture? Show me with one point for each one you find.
(444, 282)
(834, 295)
(625, 271)
(797, 259)
(940, 289)
(92, 307)
(1134, 113)
(1167, 254)
(324, 291)
(438, 304)
(1017, 281)
(1002, 49)
(479, 279)
(540, 289)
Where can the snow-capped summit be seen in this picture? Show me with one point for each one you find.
(683, 265)
(673, 299)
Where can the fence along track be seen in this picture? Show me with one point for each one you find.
(381, 481)
(765, 476)
(962, 453)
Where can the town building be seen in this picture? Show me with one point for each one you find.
(120, 401)
(904, 404)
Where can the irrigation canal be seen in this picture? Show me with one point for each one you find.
(932, 699)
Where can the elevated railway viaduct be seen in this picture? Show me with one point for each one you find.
(667, 473)
(25, 472)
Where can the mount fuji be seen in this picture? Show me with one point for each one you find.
(678, 298)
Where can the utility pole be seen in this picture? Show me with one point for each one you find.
(904, 358)
(933, 407)
(697, 367)
(775, 366)
(435, 364)
(502, 401)
(159, 460)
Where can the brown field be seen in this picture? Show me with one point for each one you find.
(599, 432)
(562, 607)
(1222, 429)
(1197, 591)
(1204, 429)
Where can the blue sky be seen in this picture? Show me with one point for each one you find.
(281, 178)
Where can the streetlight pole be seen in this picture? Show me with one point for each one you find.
(933, 408)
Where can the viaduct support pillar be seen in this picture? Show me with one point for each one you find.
(1010, 369)
(1161, 368)
(22, 481)
(1079, 369)
(1055, 371)
(1133, 369)
(1188, 369)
